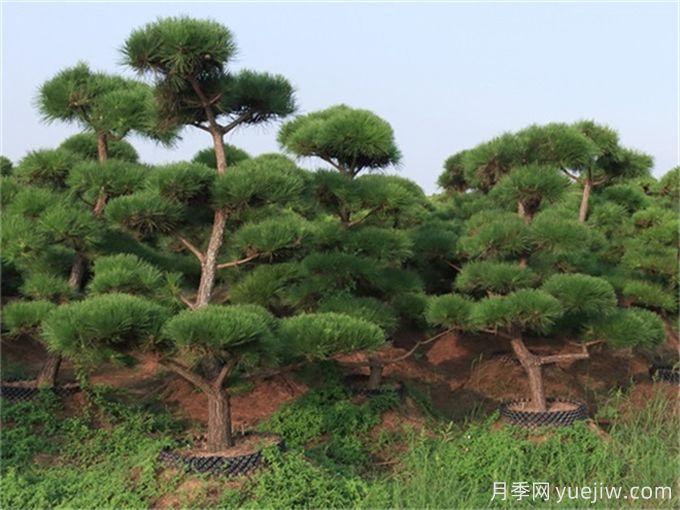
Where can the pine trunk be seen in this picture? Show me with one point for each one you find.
(100, 205)
(102, 147)
(47, 378)
(344, 217)
(219, 422)
(532, 367)
(521, 210)
(209, 264)
(75, 279)
(375, 374)
(583, 210)
(220, 155)
(48, 373)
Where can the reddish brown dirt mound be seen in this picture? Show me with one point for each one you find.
(457, 373)
(247, 409)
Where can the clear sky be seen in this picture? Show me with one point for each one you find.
(446, 76)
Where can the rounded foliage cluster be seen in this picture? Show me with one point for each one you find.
(93, 328)
(317, 335)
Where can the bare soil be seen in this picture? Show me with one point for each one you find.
(247, 409)
(244, 445)
(458, 373)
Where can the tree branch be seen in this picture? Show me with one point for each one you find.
(454, 266)
(188, 374)
(328, 160)
(186, 302)
(205, 103)
(418, 345)
(237, 121)
(239, 262)
(557, 358)
(191, 247)
(272, 373)
(361, 220)
(201, 126)
(226, 370)
(497, 332)
(374, 361)
(573, 176)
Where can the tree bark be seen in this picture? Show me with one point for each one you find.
(209, 264)
(375, 374)
(219, 404)
(219, 422)
(532, 366)
(102, 147)
(521, 210)
(48, 373)
(75, 279)
(344, 217)
(100, 205)
(47, 378)
(220, 155)
(583, 210)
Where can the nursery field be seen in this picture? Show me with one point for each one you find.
(236, 331)
(101, 450)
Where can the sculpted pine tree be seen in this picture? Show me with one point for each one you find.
(178, 201)
(453, 179)
(50, 220)
(507, 255)
(350, 140)
(246, 340)
(189, 59)
(642, 246)
(84, 145)
(356, 267)
(108, 106)
(588, 153)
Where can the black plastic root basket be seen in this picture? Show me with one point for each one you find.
(540, 418)
(215, 465)
(665, 373)
(23, 394)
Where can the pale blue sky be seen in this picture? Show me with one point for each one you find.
(446, 76)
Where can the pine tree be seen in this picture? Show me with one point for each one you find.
(350, 140)
(523, 272)
(189, 59)
(50, 229)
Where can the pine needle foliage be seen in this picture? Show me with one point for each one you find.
(220, 328)
(99, 327)
(483, 277)
(126, 273)
(349, 139)
(46, 167)
(84, 145)
(233, 154)
(25, 317)
(317, 335)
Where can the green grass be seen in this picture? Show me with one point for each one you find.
(106, 457)
(54, 462)
(457, 468)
